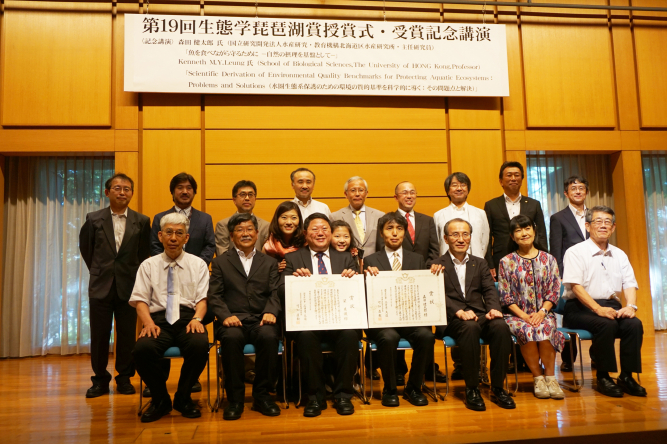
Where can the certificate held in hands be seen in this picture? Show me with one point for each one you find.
(408, 298)
(325, 302)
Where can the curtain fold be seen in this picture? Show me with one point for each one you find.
(45, 282)
(655, 192)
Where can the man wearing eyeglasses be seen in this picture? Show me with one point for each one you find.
(113, 242)
(244, 195)
(597, 274)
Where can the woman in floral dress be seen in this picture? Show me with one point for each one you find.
(529, 286)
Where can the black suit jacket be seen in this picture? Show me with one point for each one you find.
(340, 261)
(202, 238)
(426, 238)
(481, 295)
(97, 245)
(499, 225)
(565, 232)
(233, 293)
(379, 259)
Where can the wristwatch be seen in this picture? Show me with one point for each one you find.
(633, 306)
(546, 312)
(197, 318)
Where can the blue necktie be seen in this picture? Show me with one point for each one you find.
(173, 313)
(321, 268)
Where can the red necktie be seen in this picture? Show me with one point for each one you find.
(411, 229)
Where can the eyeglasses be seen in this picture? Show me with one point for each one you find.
(605, 222)
(118, 189)
(243, 195)
(408, 193)
(577, 188)
(170, 233)
(462, 186)
(465, 236)
(249, 230)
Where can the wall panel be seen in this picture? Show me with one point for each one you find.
(128, 163)
(126, 104)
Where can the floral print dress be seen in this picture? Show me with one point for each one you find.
(529, 283)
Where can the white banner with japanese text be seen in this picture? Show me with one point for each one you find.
(242, 55)
(325, 302)
(405, 299)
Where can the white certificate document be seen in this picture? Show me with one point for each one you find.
(406, 298)
(325, 302)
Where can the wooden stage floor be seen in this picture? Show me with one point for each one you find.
(42, 400)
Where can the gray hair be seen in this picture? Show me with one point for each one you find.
(175, 219)
(458, 219)
(353, 178)
(600, 209)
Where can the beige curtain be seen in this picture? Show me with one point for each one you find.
(45, 282)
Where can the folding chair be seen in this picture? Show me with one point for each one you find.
(403, 344)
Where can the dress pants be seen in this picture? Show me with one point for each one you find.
(345, 345)
(265, 339)
(148, 353)
(467, 335)
(605, 331)
(421, 340)
(101, 314)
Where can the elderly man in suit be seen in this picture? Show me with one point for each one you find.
(361, 218)
(113, 243)
(501, 210)
(319, 258)
(201, 241)
(243, 295)
(244, 195)
(474, 312)
(394, 257)
(568, 228)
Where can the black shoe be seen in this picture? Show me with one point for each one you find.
(415, 397)
(473, 400)
(566, 367)
(440, 377)
(457, 374)
(607, 387)
(314, 408)
(375, 375)
(233, 411)
(390, 400)
(400, 380)
(593, 364)
(343, 406)
(266, 407)
(196, 388)
(630, 386)
(125, 388)
(97, 390)
(156, 410)
(187, 408)
(147, 392)
(502, 398)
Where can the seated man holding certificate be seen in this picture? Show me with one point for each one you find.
(315, 259)
(393, 257)
(243, 295)
(474, 312)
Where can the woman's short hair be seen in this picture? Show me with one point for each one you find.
(521, 221)
(342, 224)
(298, 238)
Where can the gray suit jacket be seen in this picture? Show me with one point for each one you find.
(222, 239)
(372, 216)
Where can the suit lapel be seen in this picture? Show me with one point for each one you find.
(470, 273)
(235, 260)
(523, 207)
(130, 228)
(503, 207)
(569, 217)
(450, 272)
(194, 218)
(256, 263)
(107, 226)
(384, 260)
(305, 258)
(348, 217)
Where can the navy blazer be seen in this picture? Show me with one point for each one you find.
(565, 232)
(202, 238)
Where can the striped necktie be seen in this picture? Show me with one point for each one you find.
(396, 266)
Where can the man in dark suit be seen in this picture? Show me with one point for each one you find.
(113, 243)
(473, 312)
(501, 210)
(243, 295)
(394, 257)
(183, 188)
(568, 228)
(318, 258)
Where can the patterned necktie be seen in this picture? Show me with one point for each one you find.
(173, 312)
(396, 266)
(321, 268)
(360, 225)
(411, 229)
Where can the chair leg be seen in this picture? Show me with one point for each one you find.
(208, 382)
(283, 363)
(362, 374)
(371, 372)
(581, 361)
(446, 371)
(516, 371)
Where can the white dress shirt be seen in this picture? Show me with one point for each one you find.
(325, 258)
(184, 211)
(580, 217)
(513, 206)
(313, 206)
(151, 283)
(246, 261)
(603, 274)
(119, 222)
(412, 219)
(479, 239)
(460, 267)
(390, 255)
